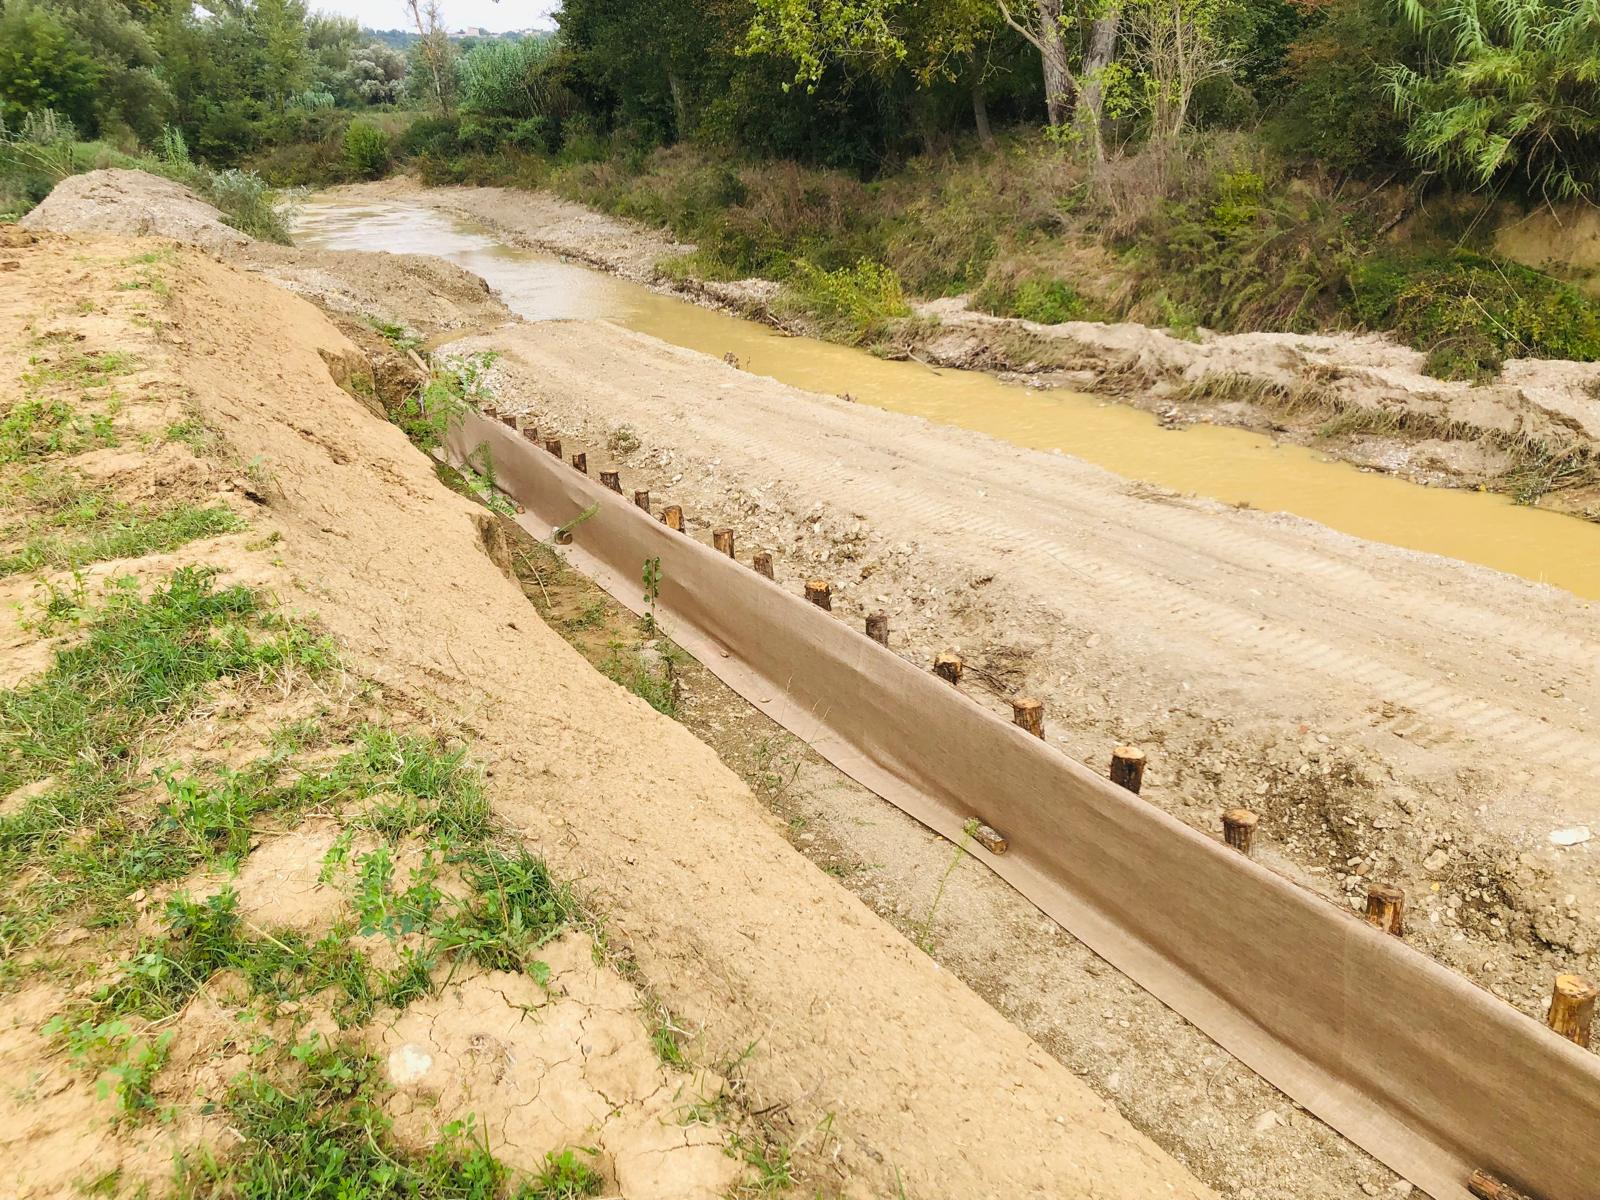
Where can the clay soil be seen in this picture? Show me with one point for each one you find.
(827, 1040)
(1393, 716)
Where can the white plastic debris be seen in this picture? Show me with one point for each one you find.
(1575, 836)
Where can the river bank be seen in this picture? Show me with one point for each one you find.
(1390, 714)
(312, 839)
(1533, 434)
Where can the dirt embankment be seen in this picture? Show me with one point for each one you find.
(874, 1073)
(1395, 715)
(1534, 433)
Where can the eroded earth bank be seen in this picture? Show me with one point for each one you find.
(1391, 715)
(286, 753)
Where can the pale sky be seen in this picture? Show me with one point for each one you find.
(392, 14)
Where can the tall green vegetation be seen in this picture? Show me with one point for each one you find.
(1508, 89)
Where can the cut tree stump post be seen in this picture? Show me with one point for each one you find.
(612, 480)
(531, 432)
(1029, 713)
(878, 627)
(722, 539)
(553, 445)
(820, 593)
(642, 499)
(1486, 1187)
(987, 836)
(1386, 908)
(672, 517)
(1572, 1008)
(508, 419)
(1127, 768)
(948, 667)
(580, 462)
(762, 562)
(1239, 829)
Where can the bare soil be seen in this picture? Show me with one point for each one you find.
(884, 1074)
(1392, 715)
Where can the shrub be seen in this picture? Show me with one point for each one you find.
(1336, 112)
(849, 304)
(366, 150)
(1469, 313)
(1045, 301)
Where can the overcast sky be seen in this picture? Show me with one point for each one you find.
(392, 14)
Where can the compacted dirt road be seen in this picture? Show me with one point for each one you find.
(1392, 716)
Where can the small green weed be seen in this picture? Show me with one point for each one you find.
(127, 1064)
(565, 1177)
(326, 1137)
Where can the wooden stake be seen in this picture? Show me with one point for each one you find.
(988, 837)
(672, 517)
(508, 419)
(878, 627)
(1239, 829)
(762, 562)
(553, 445)
(1028, 713)
(531, 432)
(948, 667)
(580, 462)
(642, 499)
(612, 480)
(1127, 768)
(820, 593)
(1486, 1187)
(1572, 1008)
(722, 539)
(1386, 908)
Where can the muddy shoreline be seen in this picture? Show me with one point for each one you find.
(1360, 398)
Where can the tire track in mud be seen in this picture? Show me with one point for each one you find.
(1168, 564)
(1375, 702)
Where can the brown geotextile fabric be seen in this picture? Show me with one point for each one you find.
(1427, 1072)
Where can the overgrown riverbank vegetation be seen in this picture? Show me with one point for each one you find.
(1233, 164)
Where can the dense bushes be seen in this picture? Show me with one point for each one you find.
(366, 150)
(1470, 313)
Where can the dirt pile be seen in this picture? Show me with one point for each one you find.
(875, 1070)
(420, 293)
(133, 204)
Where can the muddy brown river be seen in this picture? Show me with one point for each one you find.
(1229, 465)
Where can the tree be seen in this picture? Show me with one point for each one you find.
(376, 74)
(1507, 88)
(280, 28)
(1175, 46)
(933, 39)
(44, 64)
(434, 47)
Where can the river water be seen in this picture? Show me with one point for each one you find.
(1231, 465)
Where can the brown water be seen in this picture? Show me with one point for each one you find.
(1230, 465)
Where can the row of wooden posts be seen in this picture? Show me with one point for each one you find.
(1573, 1001)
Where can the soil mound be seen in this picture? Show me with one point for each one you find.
(134, 204)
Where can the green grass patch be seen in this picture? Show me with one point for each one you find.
(78, 730)
(116, 530)
(1469, 312)
(1041, 300)
(322, 1134)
